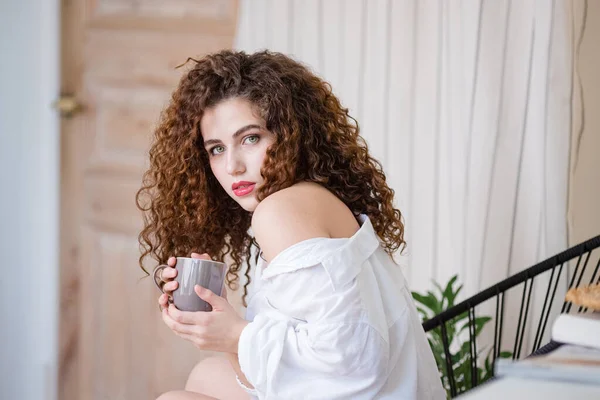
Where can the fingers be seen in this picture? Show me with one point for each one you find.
(163, 301)
(217, 302)
(204, 256)
(186, 317)
(168, 274)
(171, 286)
(175, 326)
(188, 332)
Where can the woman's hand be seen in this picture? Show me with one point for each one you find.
(168, 275)
(217, 330)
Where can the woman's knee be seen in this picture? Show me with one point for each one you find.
(209, 371)
(183, 395)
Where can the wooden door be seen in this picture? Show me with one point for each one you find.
(118, 60)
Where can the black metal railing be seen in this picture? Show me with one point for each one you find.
(556, 266)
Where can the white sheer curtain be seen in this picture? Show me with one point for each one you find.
(467, 105)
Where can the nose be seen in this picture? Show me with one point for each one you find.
(235, 165)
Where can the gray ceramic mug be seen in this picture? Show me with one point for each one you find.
(194, 271)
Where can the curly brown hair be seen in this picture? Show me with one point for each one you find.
(185, 209)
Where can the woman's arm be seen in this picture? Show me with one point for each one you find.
(323, 360)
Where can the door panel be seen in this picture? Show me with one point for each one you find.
(119, 60)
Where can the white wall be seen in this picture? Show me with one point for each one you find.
(29, 189)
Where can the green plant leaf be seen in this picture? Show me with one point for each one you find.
(440, 292)
(449, 293)
(453, 293)
(428, 301)
(438, 308)
(479, 325)
(438, 287)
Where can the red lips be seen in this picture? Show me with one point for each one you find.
(236, 185)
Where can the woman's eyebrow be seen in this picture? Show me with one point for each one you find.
(235, 135)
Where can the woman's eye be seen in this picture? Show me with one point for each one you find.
(217, 150)
(251, 139)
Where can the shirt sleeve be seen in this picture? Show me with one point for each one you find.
(314, 343)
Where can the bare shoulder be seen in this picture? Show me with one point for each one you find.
(303, 211)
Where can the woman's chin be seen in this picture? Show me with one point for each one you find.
(248, 204)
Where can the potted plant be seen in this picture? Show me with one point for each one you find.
(431, 304)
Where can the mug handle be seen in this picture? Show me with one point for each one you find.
(157, 281)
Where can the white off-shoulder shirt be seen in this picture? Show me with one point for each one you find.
(333, 319)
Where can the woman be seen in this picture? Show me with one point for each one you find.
(257, 141)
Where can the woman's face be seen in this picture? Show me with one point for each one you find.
(236, 140)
